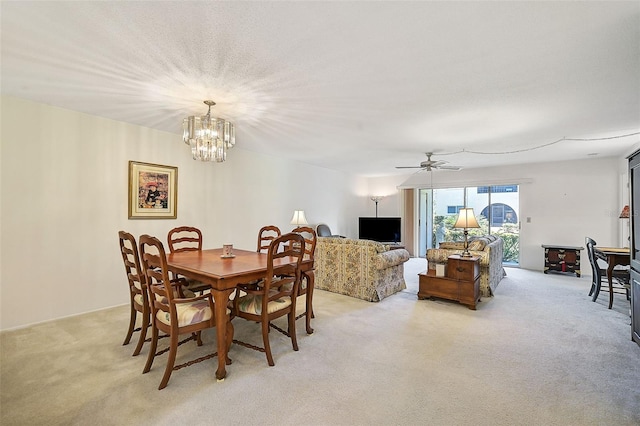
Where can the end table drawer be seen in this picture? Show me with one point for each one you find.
(438, 287)
(462, 269)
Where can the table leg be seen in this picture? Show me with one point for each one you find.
(612, 263)
(221, 299)
(311, 277)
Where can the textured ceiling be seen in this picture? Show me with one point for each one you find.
(355, 86)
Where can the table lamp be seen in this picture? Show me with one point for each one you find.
(624, 214)
(466, 219)
(299, 218)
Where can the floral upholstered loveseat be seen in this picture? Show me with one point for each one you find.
(364, 269)
(489, 248)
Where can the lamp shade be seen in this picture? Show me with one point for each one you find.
(624, 214)
(466, 219)
(299, 218)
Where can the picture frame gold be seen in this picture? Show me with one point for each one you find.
(153, 191)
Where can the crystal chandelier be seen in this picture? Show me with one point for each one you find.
(208, 137)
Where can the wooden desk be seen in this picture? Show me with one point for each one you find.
(223, 275)
(615, 256)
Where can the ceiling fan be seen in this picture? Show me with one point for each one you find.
(430, 165)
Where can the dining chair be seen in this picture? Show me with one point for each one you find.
(265, 236)
(620, 277)
(171, 312)
(308, 273)
(187, 238)
(184, 238)
(138, 298)
(276, 296)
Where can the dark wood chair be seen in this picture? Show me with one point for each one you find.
(308, 273)
(276, 296)
(266, 235)
(620, 279)
(187, 238)
(139, 300)
(171, 312)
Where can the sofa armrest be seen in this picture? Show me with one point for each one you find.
(391, 258)
(435, 256)
(441, 256)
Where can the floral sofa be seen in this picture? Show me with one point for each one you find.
(489, 248)
(364, 269)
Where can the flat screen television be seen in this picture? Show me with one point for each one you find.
(381, 229)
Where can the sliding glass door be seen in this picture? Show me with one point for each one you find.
(495, 207)
(502, 214)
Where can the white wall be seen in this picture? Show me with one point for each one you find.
(64, 198)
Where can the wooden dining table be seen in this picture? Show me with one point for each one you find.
(223, 275)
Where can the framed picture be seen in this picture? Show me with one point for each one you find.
(153, 191)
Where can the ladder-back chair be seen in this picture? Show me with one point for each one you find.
(170, 312)
(138, 298)
(266, 235)
(276, 296)
(308, 273)
(187, 238)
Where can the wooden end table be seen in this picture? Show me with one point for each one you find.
(461, 282)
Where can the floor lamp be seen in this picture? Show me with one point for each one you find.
(466, 219)
(376, 199)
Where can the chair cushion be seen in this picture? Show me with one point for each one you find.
(260, 282)
(139, 299)
(188, 313)
(188, 294)
(289, 286)
(252, 304)
(195, 286)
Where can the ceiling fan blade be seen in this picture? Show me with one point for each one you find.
(430, 165)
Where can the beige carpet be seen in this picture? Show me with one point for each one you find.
(538, 353)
